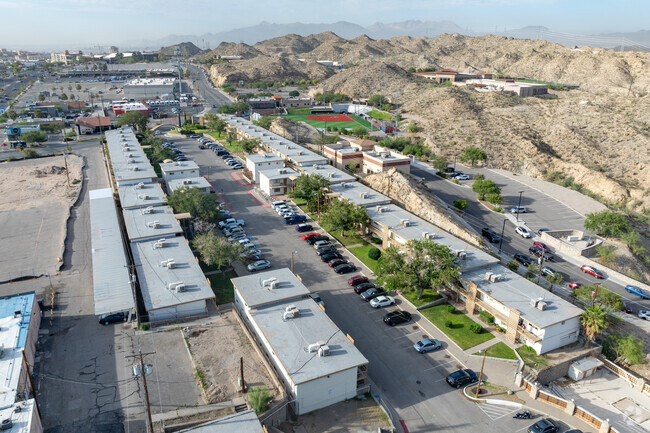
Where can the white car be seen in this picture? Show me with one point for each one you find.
(523, 232)
(518, 209)
(319, 244)
(259, 265)
(463, 177)
(644, 314)
(382, 301)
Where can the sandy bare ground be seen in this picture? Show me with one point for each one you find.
(216, 350)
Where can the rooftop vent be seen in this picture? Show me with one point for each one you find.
(267, 282)
(495, 277)
(148, 210)
(324, 350)
(154, 224)
(291, 312)
(488, 276)
(533, 303)
(130, 161)
(344, 185)
(363, 195)
(541, 305)
(134, 168)
(381, 209)
(144, 197)
(169, 264)
(315, 346)
(405, 222)
(139, 186)
(160, 243)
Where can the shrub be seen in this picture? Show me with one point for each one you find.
(29, 153)
(476, 328)
(486, 317)
(451, 309)
(513, 266)
(374, 253)
(498, 209)
(75, 181)
(460, 204)
(144, 326)
(259, 398)
(449, 324)
(376, 240)
(501, 330)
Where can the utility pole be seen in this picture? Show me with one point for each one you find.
(541, 262)
(241, 374)
(65, 160)
(593, 297)
(502, 230)
(519, 204)
(143, 371)
(480, 376)
(31, 382)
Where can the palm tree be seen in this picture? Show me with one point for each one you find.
(594, 321)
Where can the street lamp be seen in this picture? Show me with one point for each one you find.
(480, 376)
(502, 230)
(519, 204)
(292, 253)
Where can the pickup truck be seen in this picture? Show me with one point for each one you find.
(229, 221)
(294, 219)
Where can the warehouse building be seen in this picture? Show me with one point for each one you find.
(148, 87)
(316, 362)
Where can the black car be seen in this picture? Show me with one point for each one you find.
(106, 319)
(325, 250)
(490, 234)
(304, 228)
(461, 378)
(312, 240)
(360, 288)
(330, 256)
(345, 268)
(226, 156)
(523, 259)
(373, 293)
(537, 251)
(545, 425)
(396, 317)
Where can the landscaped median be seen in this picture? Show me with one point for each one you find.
(456, 325)
(499, 350)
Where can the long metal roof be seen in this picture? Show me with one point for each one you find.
(111, 282)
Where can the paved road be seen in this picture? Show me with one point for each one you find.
(412, 385)
(211, 96)
(543, 212)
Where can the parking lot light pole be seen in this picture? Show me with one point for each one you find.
(502, 230)
(519, 204)
(480, 376)
(292, 253)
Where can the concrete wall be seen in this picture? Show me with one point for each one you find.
(560, 334)
(557, 371)
(326, 391)
(191, 309)
(555, 240)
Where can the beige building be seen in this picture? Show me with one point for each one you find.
(366, 156)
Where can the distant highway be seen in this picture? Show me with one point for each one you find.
(211, 97)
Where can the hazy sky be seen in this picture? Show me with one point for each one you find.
(84, 23)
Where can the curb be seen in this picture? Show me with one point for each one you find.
(491, 400)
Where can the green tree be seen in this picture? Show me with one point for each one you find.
(231, 137)
(607, 223)
(215, 123)
(601, 296)
(593, 322)
(235, 108)
(473, 154)
(78, 87)
(311, 189)
(134, 119)
(11, 114)
(250, 145)
(72, 97)
(439, 163)
(343, 215)
(264, 122)
(38, 114)
(555, 279)
(294, 93)
(624, 349)
(259, 398)
(41, 97)
(194, 201)
(422, 265)
(606, 254)
(413, 128)
(33, 137)
(494, 198)
(217, 251)
(69, 86)
(63, 97)
(359, 131)
(162, 57)
(460, 204)
(485, 187)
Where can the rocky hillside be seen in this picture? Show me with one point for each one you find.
(187, 49)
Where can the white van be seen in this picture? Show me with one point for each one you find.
(278, 203)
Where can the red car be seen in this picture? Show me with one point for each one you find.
(309, 235)
(574, 285)
(542, 245)
(335, 262)
(357, 279)
(592, 271)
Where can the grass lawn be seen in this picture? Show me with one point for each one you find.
(299, 111)
(215, 135)
(222, 287)
(348, 238)
(531, 358)
(361, 253)
(460, 331)
(500, 350)
(381, 115)
(426, 298)
(358, 121)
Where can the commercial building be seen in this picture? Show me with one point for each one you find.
(129, 162)
(191, 182)
(332, 174)
(127, 107)
(111, 277)
(141, 195)
(277, 181)
(529, 313)
(367, 156)
(241, 422)
(93, 125)
(314, 360)
(152, 222)
(449, 75)
(383, 160)
(264, 161)
(358, 194)
(172, 283)
(148, 87)
(518, 88)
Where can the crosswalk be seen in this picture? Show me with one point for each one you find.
(495, 411)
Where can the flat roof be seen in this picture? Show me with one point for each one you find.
(154, 277)
(128, 159)
(279, 173)
(140, 225)
(190, 182)
(301, 157)
(353, 191)
(141, 195)
(11, 362)
(516, 292)
(333, 174)
(290, 338)
(242, 422)
(170, 167)
(385, 156)
(23, 303)
(264, 157)
(111, 280)
(392, 217)
(21, 414)
(255, 294)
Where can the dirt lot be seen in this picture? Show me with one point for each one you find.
(216, 350)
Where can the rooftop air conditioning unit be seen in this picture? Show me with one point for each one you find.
(135, 168)
(324, 350)
(171, 264)
(172, 286)
(153, 224)
(130, 155)
(364, 195)
(330, 175)
(462, 255)
(313, 347)
(541, 305)
(496, 277)
(144, 197)
(290, 314)
(130, 161)
(488, 276)
(187, 182)
(274, 285)
(160, 243)
(148, 210)
(533, 303)
(405, 222)
(381, 209)
(344, 185)
(268, 281)
(139, 186)
(180, 288)
(573, 238)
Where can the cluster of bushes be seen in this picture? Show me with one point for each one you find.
(301, 82)
(327, 97)
(486, 317)
(604, 297)
(374, 253)
(405, 146)
(486, 190)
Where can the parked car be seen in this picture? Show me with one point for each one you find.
(202, 146)
(252, 257)
(227, 221)
(427, 345)
(303, 227)
(461, 378)
(523, 232)
(277, 203)
(644, 314)
(182, 158)
(295, 219)
(322, 244)
(396, 317)
(237, 237)
(627, 310)
(357, 279)
(523, 259)
(463, 177)
(538, 252)
(328, 257)
(490, 234)
(325, 250)
(592, 271)
(237, 166)
(107, 319)
(360, 288)
(382, 301)
(518, 209)
(259, 265)
(316, 297)
(335, 262)
(574, 285)
(310, 235)
(546, 271)
(372, 293)
(195, 136)
(345, 268)
(545, 425)
(312, 240)
(542, 245)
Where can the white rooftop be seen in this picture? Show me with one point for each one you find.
(169, 167)
(111, 281)
(11, 362)
(255, 293)
(151, 82)
(264, 157)
(154, 276)
(279, 173)
(191, 182)
(128, 159)
(141, 223)
(359, 194)
(242, 422)
(141, 195)
(395, 218)
(333, 174)
(515, 291)
(21, 415)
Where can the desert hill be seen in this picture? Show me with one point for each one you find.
(187, 49)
